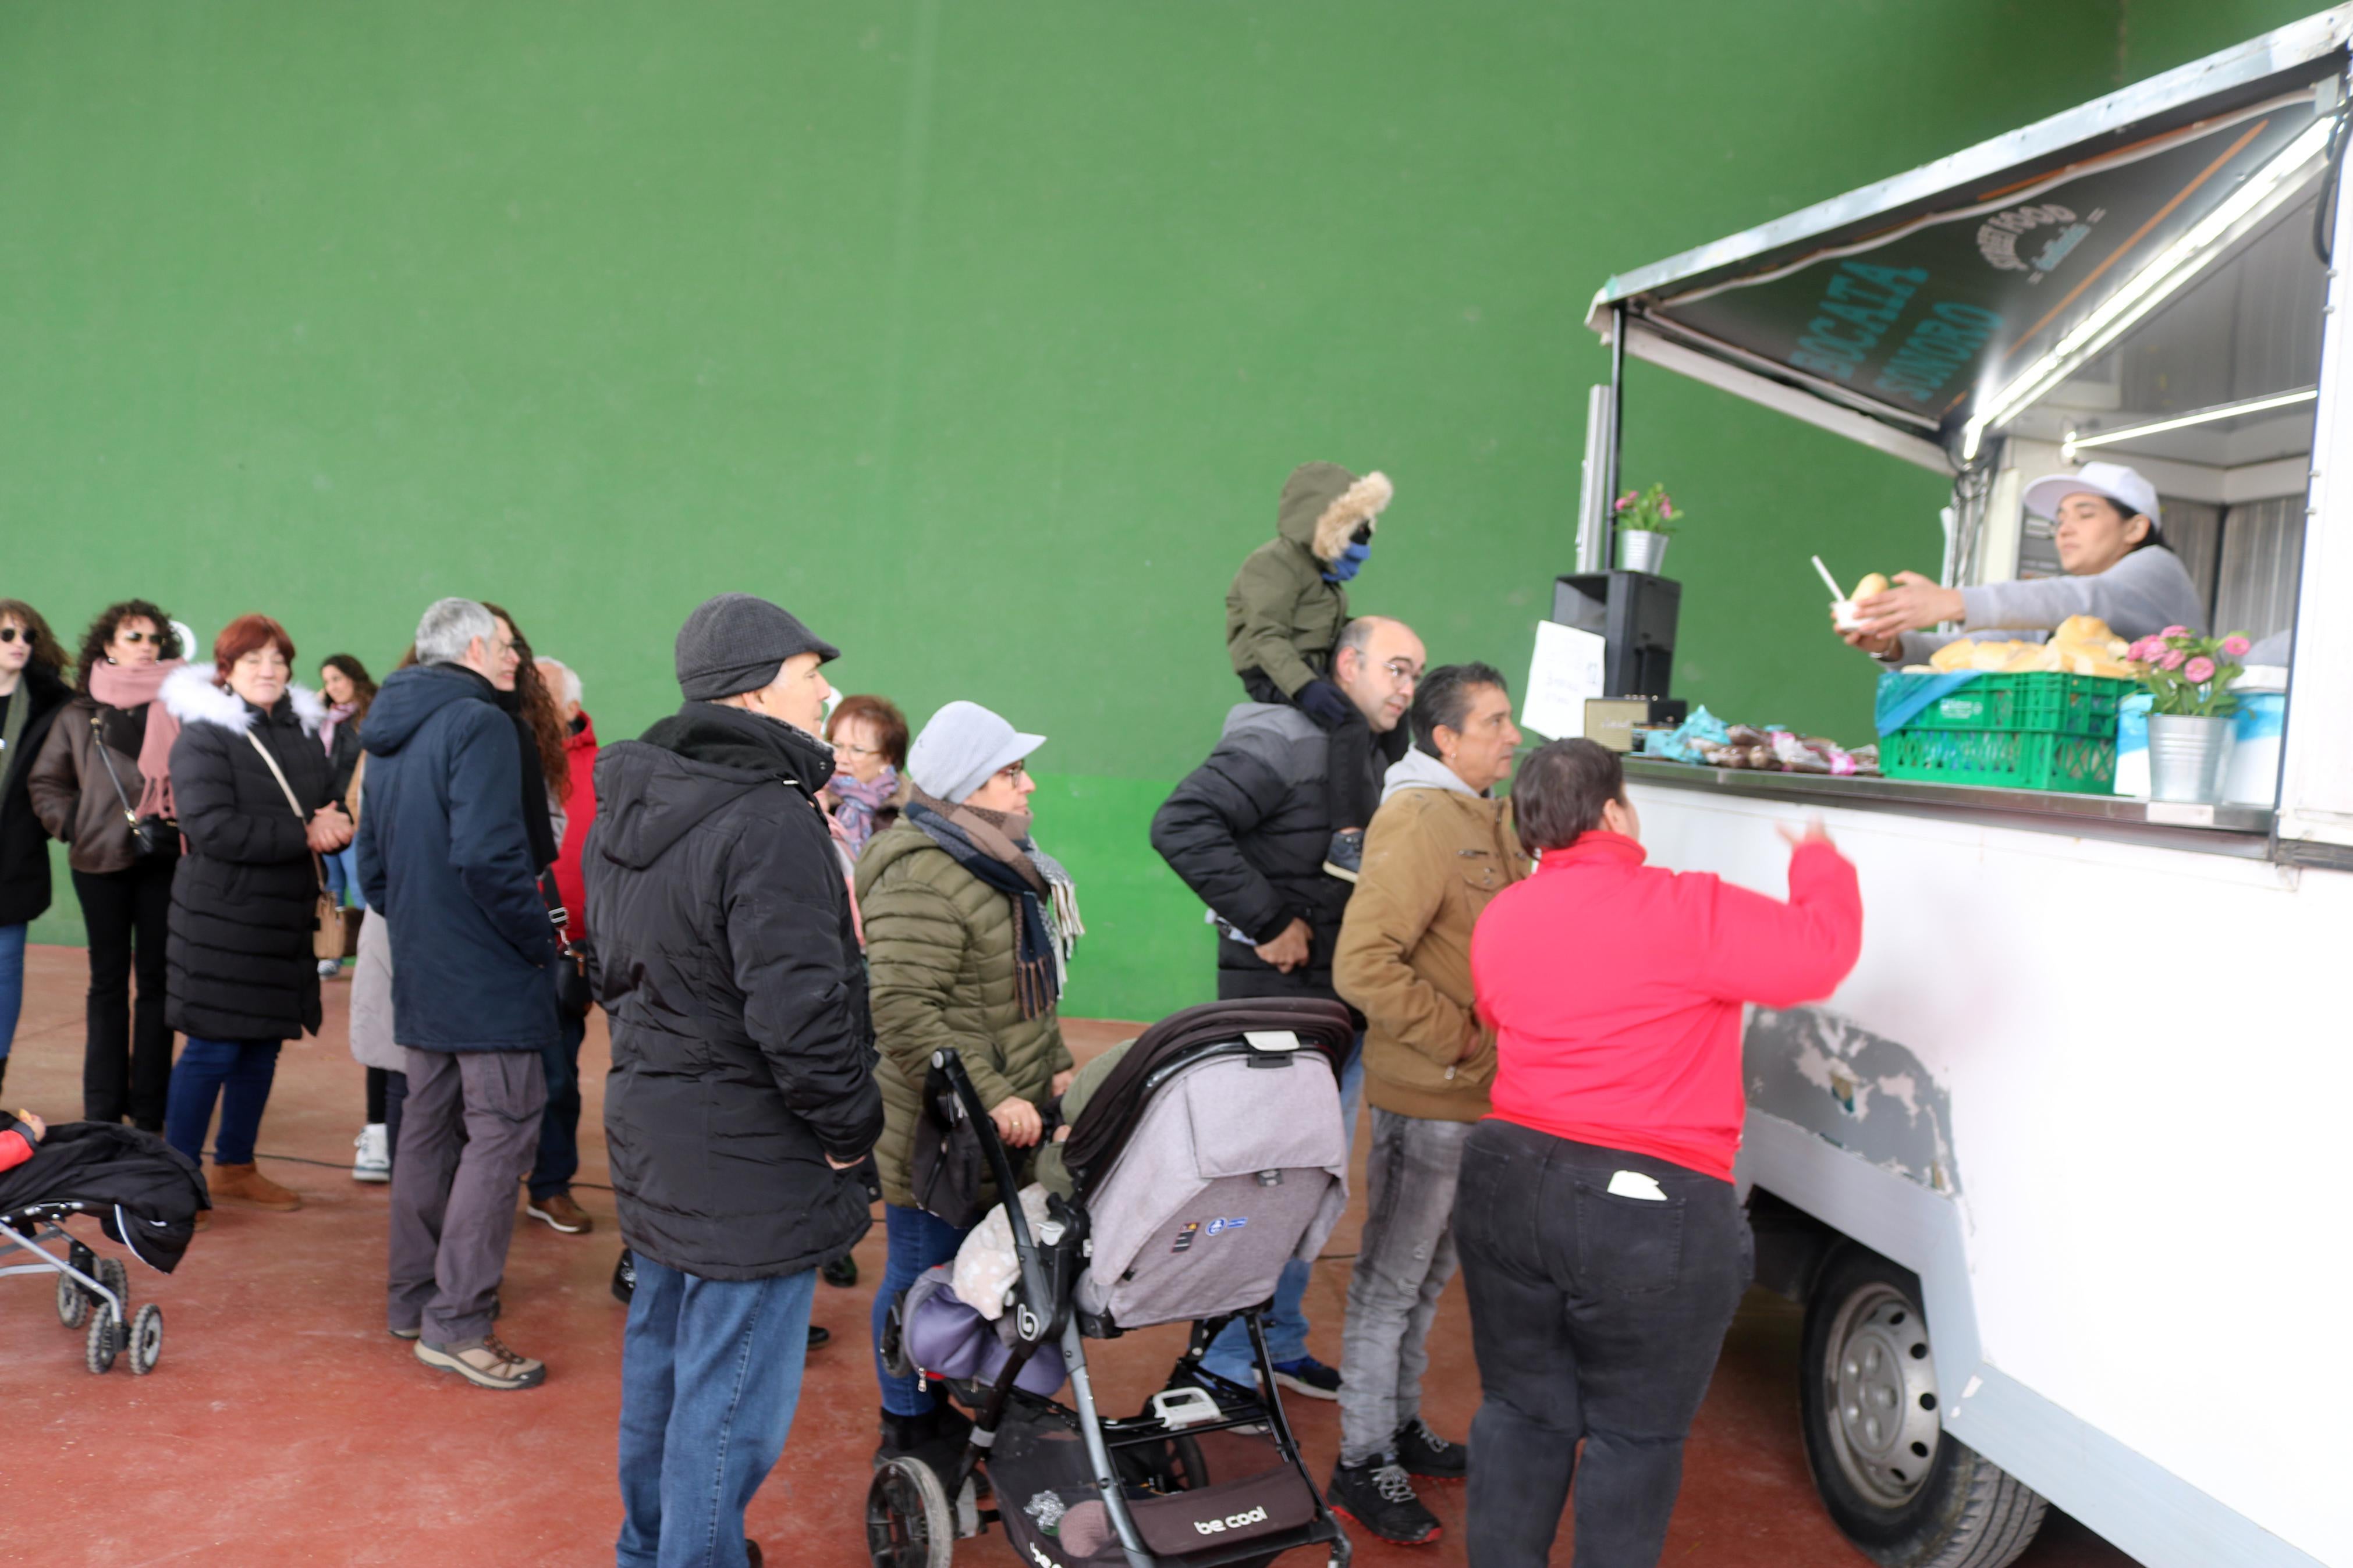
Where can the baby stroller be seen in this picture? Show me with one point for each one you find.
(145, 1194)
(1208, 1156)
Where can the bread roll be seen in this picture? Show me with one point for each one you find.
(1872, 583)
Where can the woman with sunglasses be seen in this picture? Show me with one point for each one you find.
(103, 784)
(31, 690)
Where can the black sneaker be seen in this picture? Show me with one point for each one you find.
(1346, 858)
(1377, 1495)
(820, 1334)
(624, 1276)
(841, 1271)
(1423, 1452)
(1309, 1377)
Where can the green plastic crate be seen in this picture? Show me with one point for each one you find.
(2003, 759)
(2041, 703)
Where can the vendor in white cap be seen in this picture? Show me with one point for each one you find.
(2104, 524)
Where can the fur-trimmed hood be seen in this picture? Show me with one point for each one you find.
(1323, 503)
(190, 696)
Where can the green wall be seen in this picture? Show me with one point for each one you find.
(982, 336)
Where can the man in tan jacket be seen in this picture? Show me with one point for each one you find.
(1439, 848)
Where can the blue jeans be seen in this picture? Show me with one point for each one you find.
(344, 876)
(238, 1074)
(558, 1160)
(12, 984)
(1286, 1326)
(710, 1374)
(918, 1241)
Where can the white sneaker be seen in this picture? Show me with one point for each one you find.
(329, 968)
(372, 1154)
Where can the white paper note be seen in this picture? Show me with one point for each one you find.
(1566, 670)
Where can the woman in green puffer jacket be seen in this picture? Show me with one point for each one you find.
(969, 927)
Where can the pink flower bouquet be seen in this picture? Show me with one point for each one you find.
(1652, 510)
(2188, 676)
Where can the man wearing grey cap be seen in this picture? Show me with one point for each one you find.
(742, 1093)
(970, 930)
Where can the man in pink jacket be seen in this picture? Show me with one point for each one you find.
(1603, 1248)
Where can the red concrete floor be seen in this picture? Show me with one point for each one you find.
(284, 1426)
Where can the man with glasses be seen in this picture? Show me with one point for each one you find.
(1248, 830)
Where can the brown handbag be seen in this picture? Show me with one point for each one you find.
(327, 930)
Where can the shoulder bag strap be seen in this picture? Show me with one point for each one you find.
(296, 806)
(98, 738)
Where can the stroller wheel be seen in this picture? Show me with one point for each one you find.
(894, 1340)
(146, 1339)
(907, 1521)
(105, 1341)
(117, 1278)
(73, 1306)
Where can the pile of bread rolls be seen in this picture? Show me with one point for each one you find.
(2082, 645)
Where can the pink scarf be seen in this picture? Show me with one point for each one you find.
(335, 716)
(130, 686)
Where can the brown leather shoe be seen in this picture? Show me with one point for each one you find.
(247, 1185)
(559, 1212)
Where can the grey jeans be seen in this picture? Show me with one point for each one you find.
(468, 1134)
(1403, 1262)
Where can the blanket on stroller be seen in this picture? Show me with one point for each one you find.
(145, 1192)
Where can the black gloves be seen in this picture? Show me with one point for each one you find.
(1325, 703)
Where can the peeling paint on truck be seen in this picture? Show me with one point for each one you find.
(1845, 1084)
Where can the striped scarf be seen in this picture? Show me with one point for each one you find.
(995, 847)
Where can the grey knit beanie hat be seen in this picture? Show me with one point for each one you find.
(961, 747)
(737, 642)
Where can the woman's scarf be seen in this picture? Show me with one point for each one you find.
(133, 686)
(336, 714)
(995, 847)
(855, 804)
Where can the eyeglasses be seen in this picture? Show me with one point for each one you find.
(1012, 770)
(134, 639)
(1403, 672)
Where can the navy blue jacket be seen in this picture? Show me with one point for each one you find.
(446, 864)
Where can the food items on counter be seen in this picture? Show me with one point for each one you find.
(2083, 645)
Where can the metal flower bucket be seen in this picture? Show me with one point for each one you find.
(1640, 550)
(2185, 755)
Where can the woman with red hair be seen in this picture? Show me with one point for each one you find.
(256, 805)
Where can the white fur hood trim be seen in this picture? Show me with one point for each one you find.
(190, 696)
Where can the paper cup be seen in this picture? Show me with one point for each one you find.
(1842, 615)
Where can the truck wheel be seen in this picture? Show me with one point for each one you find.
(1905, 1493)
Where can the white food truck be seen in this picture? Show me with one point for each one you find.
(2061, 1171)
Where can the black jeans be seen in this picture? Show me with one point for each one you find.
(1594, 1316)
(558, 1160)
(126, 1066)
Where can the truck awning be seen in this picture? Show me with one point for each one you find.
(1918, 313)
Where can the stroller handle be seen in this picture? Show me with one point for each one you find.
(1032, 1328)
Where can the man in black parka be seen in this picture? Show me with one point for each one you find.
(446, 863)
(742, 1095)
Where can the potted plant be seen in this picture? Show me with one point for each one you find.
(2189, 681)
(1646, 520)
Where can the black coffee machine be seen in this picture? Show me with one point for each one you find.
(1634, 613)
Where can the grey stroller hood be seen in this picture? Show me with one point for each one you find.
(1236, 1162)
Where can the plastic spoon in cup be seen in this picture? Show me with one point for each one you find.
(1828, 581)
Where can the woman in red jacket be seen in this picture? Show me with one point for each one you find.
(1603, 1248)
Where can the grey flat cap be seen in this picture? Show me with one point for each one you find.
(961, 747)
(736, 642)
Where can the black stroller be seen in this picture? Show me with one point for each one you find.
(145, 1194)
(1211, 1155)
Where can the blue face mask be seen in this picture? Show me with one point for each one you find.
(1352, 561)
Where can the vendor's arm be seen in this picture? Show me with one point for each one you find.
(2145, 593)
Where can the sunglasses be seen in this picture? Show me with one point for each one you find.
(134, 639)
(8, 633)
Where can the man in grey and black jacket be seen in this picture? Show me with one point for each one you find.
(1248, 830)
(741, 1096)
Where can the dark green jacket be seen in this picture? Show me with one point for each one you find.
(1281, 617)
(940, 946)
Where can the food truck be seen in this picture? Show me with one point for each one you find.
(2060, 1171)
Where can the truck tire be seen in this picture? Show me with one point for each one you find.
(1908, 1494)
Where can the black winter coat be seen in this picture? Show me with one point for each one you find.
(444, 861)
(245, 898)
(23, 843)
(1248, 831)
(729, 967)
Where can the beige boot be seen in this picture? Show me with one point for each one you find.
(247, 1185)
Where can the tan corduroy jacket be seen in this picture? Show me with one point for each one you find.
(1434, 855)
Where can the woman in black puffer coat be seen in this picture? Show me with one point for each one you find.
(243, 979)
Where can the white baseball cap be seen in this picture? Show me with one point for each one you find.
(2121, 485)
